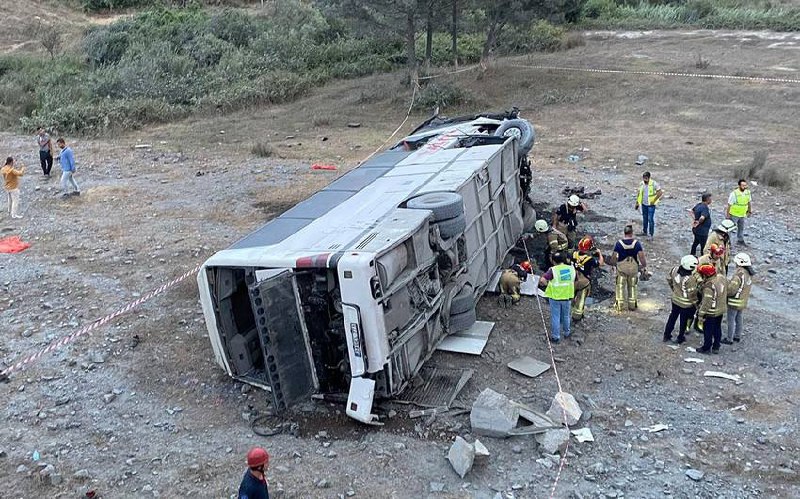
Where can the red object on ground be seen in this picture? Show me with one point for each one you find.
(317, 166)
(13, 244)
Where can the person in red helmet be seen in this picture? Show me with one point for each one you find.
(585, 260)
(511, 280)
(254, 482)
(713, 305)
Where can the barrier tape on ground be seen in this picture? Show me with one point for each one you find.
(563, 461)
(448, 73)
(402, 123)
(659, 73)
(27, 361)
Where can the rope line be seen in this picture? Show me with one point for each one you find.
(659, 73)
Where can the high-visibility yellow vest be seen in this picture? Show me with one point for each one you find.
(562, 285)
(651, 193)
(739, 209)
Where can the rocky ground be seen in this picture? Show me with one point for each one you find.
(139, 408)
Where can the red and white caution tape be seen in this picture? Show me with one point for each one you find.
(27, 361)
(763, 79)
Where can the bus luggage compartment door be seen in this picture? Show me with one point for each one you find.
(284, 339)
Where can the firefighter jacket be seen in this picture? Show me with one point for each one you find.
(715, 298)
(684, 288)
(739, 288)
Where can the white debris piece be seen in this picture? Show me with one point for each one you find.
(528, 366)
(693, 360)
(564, 405)
(461, 456)
(553, 441)
(718, 374)
(583, 435)
(480, 449)
(656, 428)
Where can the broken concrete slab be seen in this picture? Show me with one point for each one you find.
(695, 475)
(553, 441)
(583, 435)
(564, 409)
(493, 414)
(528, 366)
(535, 417)
(480, 450)
(461, 456)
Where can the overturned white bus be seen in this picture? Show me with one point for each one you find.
(351, 290)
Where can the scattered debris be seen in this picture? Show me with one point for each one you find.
(564, 407)
(718, 374)
(641, 160)
(493, 414)
(656, 428)
(317, 166)
(573, 158)
(437, 387)
(143, 146)
(461, 456)
(427, 412)
(553, 441)
(353, 125)
(471, 341)
(528, 366)
(583, 435)
(581, 192)
(694, 360)
(480, 450)
(695, 475)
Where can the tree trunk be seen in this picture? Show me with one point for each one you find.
(454, 33)
(429, 37)
(411, 47)
(495, 26)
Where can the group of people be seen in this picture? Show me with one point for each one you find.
(12, 171)
(702, 293)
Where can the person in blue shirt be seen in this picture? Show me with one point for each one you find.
(67, 159)
(701, 224)
(254, 481)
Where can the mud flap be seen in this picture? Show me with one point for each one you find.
(359, 400)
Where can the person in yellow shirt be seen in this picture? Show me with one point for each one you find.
(740, 207)
(647, 197)
(11, 177)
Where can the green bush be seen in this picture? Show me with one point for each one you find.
(441, 94)
(99, 5)
(469, 45)
(599, 9)
(542, 36)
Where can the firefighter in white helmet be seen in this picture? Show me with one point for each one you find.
(555, 241)
(565, 218)
(738, 293)
(682, 282)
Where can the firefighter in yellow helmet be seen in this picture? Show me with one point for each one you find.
(585, 260)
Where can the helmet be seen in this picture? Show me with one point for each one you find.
(707, 270)
(257, 457)
(526, 266)
(574, 200)
(689, 262)
(586, 243)
(541, 226)
(727, 226)
(742, 260)
(716, 250)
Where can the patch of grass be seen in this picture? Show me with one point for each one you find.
(701, 63)
(441, 94)
(769, 175)
(262, 150)
(776, 177)
(753, 168)
(319, 120)
(558, 96)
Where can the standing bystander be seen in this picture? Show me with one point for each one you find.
(45, 151)
(701, 224)
(67, 159)
(11, 177)
(560, 290)
(740, 206)
(647, 197)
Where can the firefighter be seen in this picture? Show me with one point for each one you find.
(630, 260)
(565, 218)
(254, 482)
(738, 293)
(721, 236)
(511, 279)
(714, 257)
(556, 241)
(683, 284)
(585, 260)
(713, 306)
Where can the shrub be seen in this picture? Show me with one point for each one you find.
(775, 177)
(233, 26)
(597, 9)
(573, 39)
(441, 94)
(752, 169)
(262, 150)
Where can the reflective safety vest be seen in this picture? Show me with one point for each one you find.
(651, 194)
(739, 209)
(684, 289)
(739, 289)
(562, 285)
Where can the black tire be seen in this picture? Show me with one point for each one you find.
(444, 205)
(462, 321)
(452, 227)
(463, 301)
(527, 135)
